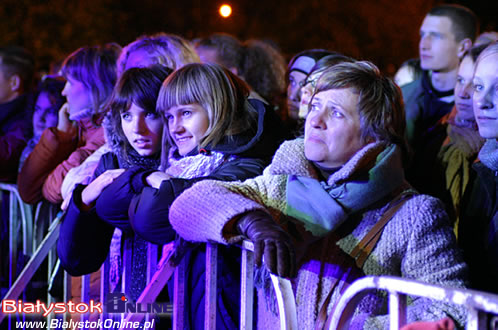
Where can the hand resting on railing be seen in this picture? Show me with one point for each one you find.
(270, 240)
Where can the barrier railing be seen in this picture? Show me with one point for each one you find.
(166, 268)
(20, 220)
(20, 231)
(478, 304)
(39, 229)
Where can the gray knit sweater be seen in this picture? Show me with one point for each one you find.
(418, 243)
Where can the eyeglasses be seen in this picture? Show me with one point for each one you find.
(309, 80)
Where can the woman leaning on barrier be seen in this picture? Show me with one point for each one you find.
(319, 199)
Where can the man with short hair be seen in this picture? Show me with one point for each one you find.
(446, 33)
(16, 74)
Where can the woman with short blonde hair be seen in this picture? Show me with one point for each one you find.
(165, 49)
(222, 95)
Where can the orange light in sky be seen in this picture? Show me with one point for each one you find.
(225, 10)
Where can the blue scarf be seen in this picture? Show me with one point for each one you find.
(369, 176)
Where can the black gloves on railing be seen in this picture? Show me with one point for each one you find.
(271, 240)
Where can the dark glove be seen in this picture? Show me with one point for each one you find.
(269, 238)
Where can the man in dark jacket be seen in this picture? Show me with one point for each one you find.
(446, 33)
(16, 73)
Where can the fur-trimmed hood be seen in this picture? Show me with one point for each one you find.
(112, 139)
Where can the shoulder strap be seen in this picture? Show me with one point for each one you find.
(363, 249)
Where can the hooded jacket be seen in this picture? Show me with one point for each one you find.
(149, 210)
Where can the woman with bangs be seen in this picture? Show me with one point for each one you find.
(213, 131)
(91, 74)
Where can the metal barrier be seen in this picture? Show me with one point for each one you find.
(39, 245)
(477, 303)
(21, 216)
(126, 275)
(166, 268)
(20, 220)
(46, 249)
(39, 232)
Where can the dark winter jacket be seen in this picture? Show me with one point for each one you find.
(478, 229)
(148, 211)
(15, 131)
(149, 218)
(252, 154)
(425, 129)
(423, 108)
(84, 238)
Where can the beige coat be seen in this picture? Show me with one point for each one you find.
(418, 243)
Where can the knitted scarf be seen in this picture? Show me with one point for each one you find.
(456, 158)
(190, 167)
(134, 159)
(489, 154)
(195, 166)
(370, 175)
(83, 113)
(139, 263)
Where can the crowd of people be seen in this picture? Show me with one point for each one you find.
(216, 139)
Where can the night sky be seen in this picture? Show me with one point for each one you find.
(383, 31)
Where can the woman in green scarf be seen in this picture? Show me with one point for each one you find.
(322, 195)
